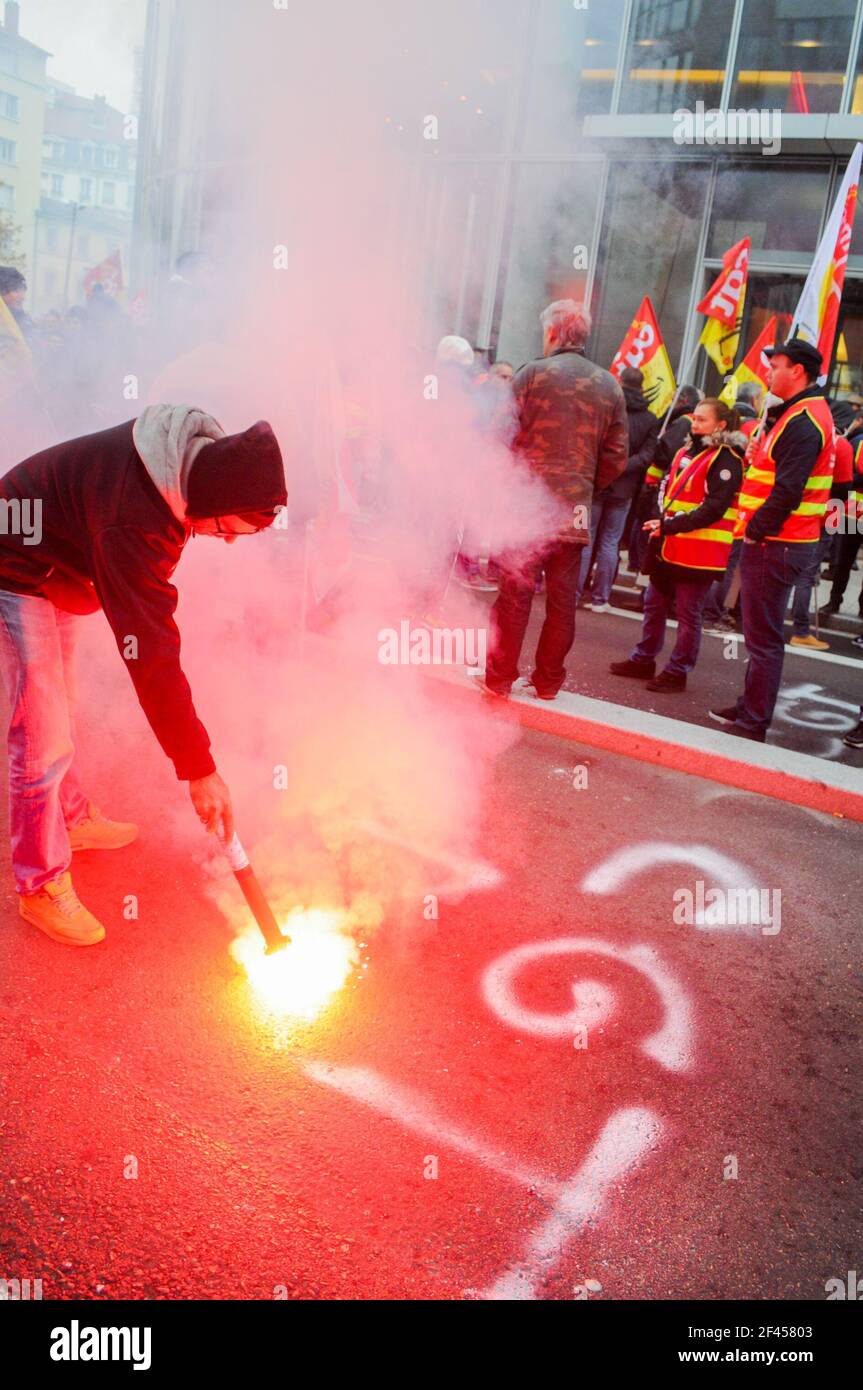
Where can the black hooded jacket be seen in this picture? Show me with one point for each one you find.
(109, 540)
(643, 430)
(676, 435)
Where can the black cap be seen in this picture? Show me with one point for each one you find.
(798, 350)
(239, 475)
(844, 413)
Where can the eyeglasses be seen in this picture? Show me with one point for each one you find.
(226, 533)
(220, 530)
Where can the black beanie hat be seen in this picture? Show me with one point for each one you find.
(239, 475)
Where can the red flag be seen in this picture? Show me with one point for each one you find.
(109, 274)
(754, 365)
(724, 299)
(643, 348)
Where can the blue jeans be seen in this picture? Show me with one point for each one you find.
(806, 583)
(607, 520)
(689, 596)
(768, 573)
(37, 660)
(511, 612)
(715, 608)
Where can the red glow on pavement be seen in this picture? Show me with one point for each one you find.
(300, 981)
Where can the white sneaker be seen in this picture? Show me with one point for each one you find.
(600, 608)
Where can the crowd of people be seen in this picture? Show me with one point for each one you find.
(724, 512)
(728, 514)
(58, 369)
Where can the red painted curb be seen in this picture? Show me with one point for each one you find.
(812, 792)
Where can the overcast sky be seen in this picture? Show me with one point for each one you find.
(92, 42)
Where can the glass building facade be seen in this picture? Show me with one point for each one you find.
(565, 172)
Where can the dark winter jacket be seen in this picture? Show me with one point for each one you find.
(571, 431)
(643, 428)
(676, 435)
(109, 539)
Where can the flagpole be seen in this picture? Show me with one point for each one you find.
(685, 373)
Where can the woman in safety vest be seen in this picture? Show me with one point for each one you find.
(691, 543)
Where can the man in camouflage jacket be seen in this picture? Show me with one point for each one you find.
(573, 434)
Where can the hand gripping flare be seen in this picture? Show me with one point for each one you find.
(253, 894)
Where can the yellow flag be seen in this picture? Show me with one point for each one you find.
(16, 362)
(723, 305)
(728, 394)
(720, 343)
(643, 347)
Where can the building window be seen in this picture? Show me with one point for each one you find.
(470, 96)
(779, 207)
(110, 159)
(459, 200)
(130, 195)
(573, 71)
(86, 154)
(108, 190)
(57, 185)
(7, 197)
(8, 106)
(86, 188)
(8, 150)
(57, 151)
(676, 55)
(792, 55)
(856, 105)
(553, 207)
(653, 218)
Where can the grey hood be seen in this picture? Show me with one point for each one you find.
(168, 439)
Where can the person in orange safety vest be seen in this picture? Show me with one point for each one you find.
(690, 543)
(782, 506)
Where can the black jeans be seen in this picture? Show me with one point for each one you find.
(768, 573)
(511, 612)
(847, 554)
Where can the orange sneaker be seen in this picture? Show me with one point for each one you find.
(97, 832)
(57, 911)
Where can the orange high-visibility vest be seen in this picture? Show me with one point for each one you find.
(855, 497)
(710, 547)
(654, 475)
(804, 523)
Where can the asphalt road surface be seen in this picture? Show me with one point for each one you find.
(554, 1091)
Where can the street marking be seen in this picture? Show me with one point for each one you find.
(711, 794)
(825, 720)
(671, 1045)
(615, 872)
(626, 1139)
(411, 1110)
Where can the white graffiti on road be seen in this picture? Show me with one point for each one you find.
(629, 1134)
(614, 874)
(808, 706)
(671, 1045)
(626, 1140)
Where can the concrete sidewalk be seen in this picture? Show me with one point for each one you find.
(754, 767)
